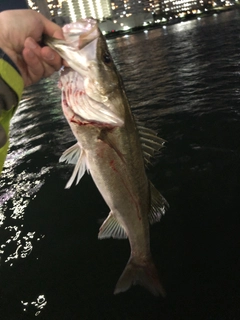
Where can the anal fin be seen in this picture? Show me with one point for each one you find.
(158, 205)
(111, 228)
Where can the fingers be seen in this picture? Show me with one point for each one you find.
(34, 69)
(30, 43)
(51, 58)
(40, 62)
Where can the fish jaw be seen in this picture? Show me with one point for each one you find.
(77, 47)
(91, 86)
(85, 51)
(81, 32)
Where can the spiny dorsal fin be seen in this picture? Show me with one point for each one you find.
(151, 143)
(111, 228)
(75, 155)
(158, 205)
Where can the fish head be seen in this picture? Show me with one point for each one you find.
(85, 51)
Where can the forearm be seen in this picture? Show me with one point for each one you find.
(11, 87)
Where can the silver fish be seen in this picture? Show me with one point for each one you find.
(111, 146)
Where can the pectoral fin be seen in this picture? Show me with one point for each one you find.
(75, 155)
(71, 155)
(111, 228)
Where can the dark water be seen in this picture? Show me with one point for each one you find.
(183, 81)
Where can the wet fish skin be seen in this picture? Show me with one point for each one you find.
(109, 146)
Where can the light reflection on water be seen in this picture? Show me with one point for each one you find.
(23, 244)
(2, 217)
(14, 200)
(34, 306)
(19, 186)
(21, 180)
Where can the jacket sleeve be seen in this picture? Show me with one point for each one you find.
(11, 88)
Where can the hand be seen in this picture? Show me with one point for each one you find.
(20, 32)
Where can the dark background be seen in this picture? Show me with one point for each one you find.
(13, 4)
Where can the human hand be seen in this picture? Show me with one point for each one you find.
(20, 32)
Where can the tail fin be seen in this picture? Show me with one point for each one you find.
(142, 273)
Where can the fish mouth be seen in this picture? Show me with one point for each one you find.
(80, 33)
(79, 88)
(78, 48)
(77, 35)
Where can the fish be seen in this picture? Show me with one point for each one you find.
(112, 146)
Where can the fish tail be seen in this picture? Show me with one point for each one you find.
(142, 273)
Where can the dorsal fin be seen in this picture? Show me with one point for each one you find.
(151, 143)
(158, 205)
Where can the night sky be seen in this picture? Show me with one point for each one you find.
(13, 4)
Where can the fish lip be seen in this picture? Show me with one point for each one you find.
(76, 35)
(82, 28)
(87, 25)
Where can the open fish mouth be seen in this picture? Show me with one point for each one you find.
(77, 36)
(80, 89)
(80, 33)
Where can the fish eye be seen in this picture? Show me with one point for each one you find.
(107, 58)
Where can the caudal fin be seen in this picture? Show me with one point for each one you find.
(144, 274)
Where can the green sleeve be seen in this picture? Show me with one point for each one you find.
(11, 88)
